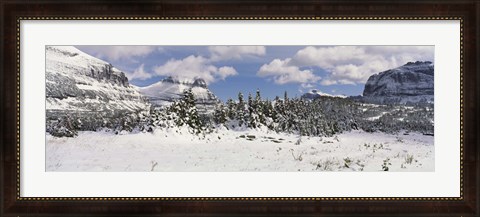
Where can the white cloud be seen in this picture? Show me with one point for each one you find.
(355, 64)
(114, 53)
(282, 72)
(219, 53)
(226, 71)
(306, 86)
(139, 74)
(328, 57)
(193, 67)
(327, 82)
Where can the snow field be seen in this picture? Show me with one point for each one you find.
(176, 149)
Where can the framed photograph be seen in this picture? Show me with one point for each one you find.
(239, 108)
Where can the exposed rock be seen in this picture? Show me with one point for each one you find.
(410, 83)
(411, 79)
(74, 61)
(81, 86)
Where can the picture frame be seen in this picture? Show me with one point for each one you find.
(13, 204)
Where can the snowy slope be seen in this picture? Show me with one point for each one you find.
(170, 89)
(314, 94)
(76, 81)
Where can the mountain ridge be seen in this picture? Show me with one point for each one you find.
(396, 82)
(79, 82)
(314, 94)
(411, 83)
(169, 89)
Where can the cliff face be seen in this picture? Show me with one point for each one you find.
(410, 83)
(78, 82)
(411, 79)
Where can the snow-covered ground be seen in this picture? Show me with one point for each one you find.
(251, 150)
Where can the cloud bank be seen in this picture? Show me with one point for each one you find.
(139, 73)
(193, 67)
(283, 72)
(198, 66)
(115, 53)
(343, 64)
(219, 53)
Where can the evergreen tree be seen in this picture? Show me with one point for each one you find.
(192, 117)
(185, 112)
(258, 98)
(269, 114)
(220, 114)
(252, 113)
(240, 114)
(259, 108)
(231, 109)
(177, 109)
(279, 110)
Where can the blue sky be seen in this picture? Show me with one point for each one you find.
(271, 69)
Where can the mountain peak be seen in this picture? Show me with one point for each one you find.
(196, 82)
(69, 59)
(199, 82)
(418, 63)
(314, 94)
(413, 78)
(169, 89)
(410, 82)
(83, 83)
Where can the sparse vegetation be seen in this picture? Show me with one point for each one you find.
(409, 159)
(361, 165)
(299, 141)
(325, 165)
(346, 162)
(399, 139)
(385, 164)
(154, 164)
(297, 157)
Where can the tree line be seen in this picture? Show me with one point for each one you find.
(324, 116)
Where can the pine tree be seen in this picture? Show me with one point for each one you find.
(192, 118)
(259, 108)
(184, 112)
(220, 114)
(279, 110)
(240, 114)
(269, 114)
(231, 109)
(252, 115)
(258, 97)
(177, 109)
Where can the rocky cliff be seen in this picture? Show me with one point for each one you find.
(410, 83)
(77, 82)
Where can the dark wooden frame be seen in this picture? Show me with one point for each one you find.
(466, 205)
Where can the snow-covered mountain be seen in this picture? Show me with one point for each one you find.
(314, 94)
(78, 82)
(170, 89)
(407, 84)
